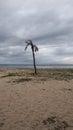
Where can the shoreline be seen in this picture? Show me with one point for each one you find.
(37, 66)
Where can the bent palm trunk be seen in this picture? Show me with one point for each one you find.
(34, 48)
(34, 62)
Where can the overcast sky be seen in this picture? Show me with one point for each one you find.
(48, 23)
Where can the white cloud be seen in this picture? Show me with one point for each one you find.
(68, 60)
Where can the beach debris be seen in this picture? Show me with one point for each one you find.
(55, 123)
(19, 80)
(1, 124)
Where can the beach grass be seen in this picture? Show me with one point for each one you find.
(43, 74)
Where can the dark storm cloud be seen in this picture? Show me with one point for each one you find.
(46, 23)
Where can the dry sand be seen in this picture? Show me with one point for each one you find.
(28, 103)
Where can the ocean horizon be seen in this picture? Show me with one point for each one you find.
(38, 66)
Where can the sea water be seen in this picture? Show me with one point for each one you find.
(38, 66)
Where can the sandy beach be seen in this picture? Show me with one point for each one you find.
(36, 102)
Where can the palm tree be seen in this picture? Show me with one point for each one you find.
(34, 48)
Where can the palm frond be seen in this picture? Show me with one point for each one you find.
(26, 47)
(35, 48)
(29, 43)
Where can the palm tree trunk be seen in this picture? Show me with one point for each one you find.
(34, 62)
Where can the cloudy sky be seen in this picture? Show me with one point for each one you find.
(48, 23)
